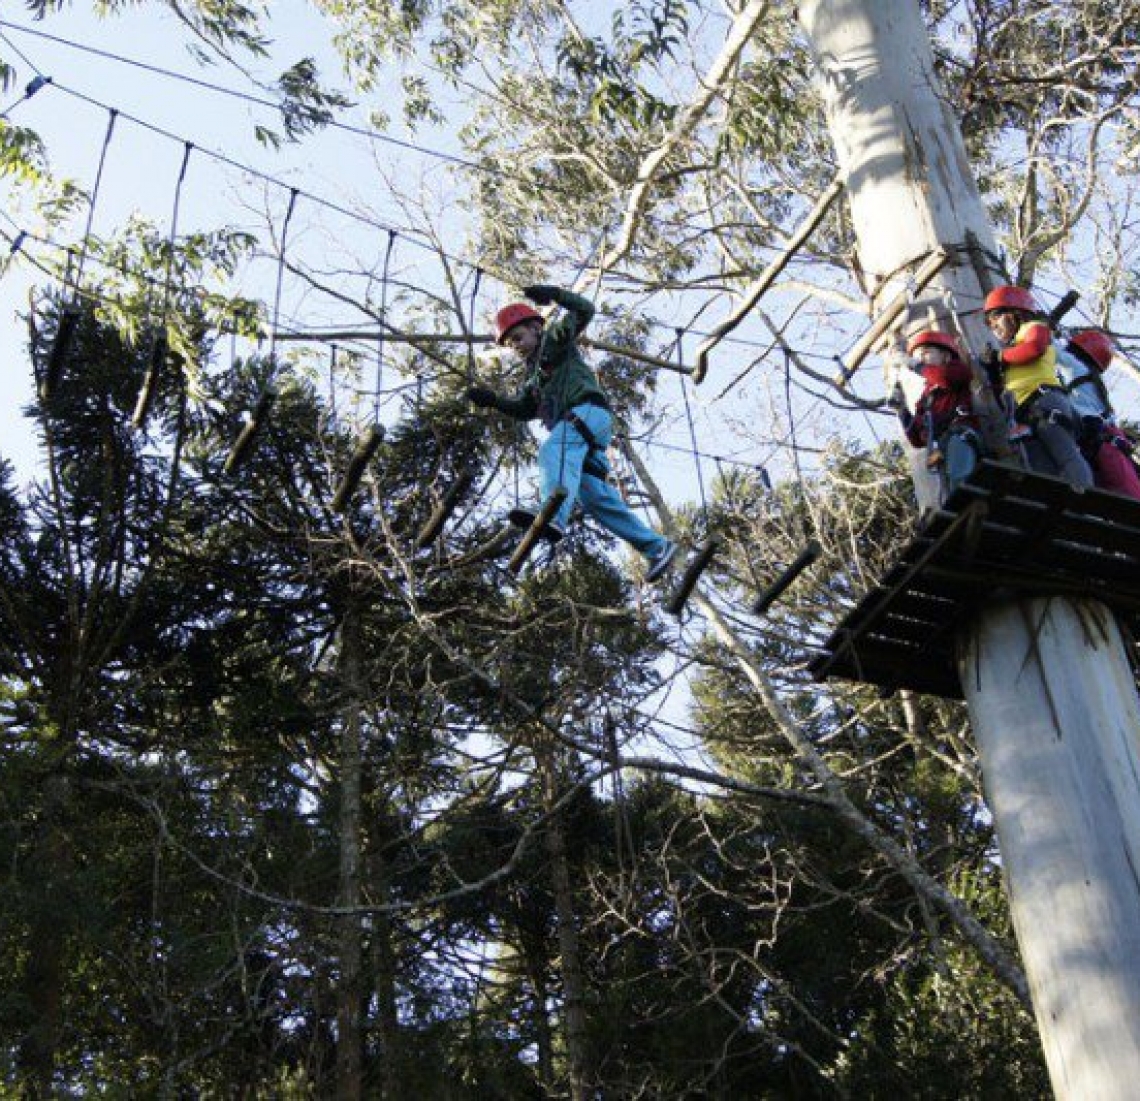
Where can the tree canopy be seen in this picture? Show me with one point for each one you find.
(296, 803)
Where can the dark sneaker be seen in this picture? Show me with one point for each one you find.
(525, 517)
(659, 564)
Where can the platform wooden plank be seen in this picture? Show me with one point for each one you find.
(1067, 522)
(1006, 532)
(1004, 481)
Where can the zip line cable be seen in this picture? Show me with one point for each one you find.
(43, 77)
(409, 232)
(294, 192)
(237, 93)
(160, 342)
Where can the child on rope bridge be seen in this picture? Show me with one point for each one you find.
(1026, 364)
(560, 388)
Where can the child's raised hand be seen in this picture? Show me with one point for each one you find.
(541, 294)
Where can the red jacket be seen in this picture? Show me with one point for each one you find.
(945, 401)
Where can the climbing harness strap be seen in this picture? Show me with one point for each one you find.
(1030, 416)
(1096, 382)
(593, 466)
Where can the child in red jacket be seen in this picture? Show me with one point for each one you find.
(943, 419)
(1108, 450)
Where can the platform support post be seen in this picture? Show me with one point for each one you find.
(1058, 728)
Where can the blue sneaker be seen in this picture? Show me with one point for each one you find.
(660, 563)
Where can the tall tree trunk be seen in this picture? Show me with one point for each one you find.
(349, 1010)
(43, 977)
(384, 986)
(573, 979)
(1051, 700)
(540, 1015)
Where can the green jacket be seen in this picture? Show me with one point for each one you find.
(557, 377)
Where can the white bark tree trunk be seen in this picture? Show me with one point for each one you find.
(1063, 792)
(1055, 711)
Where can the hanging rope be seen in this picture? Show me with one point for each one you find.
(704, 556)
(279, 282)
(84, 243)
(383, 324)
(695, 450)
(373, 436)
(812, 549)
(64, 334)
(69, 315)
(160, 343)
(260, 414)
(466, 477)
(471, 327)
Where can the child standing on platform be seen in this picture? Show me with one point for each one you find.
(1026, 364)
(943, 420)
(1080, 367)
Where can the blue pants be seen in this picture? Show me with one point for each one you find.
(961, 456)
(560, 460)
(1053, 448)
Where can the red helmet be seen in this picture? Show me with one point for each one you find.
(1096, 346)
(933, 336)
(514, 314)
(1009, 298)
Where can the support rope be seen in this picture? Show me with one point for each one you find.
(384, 278)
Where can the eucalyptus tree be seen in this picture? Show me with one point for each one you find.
(605, 141)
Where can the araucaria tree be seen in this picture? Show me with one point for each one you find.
(297, 802)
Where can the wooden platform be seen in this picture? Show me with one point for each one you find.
(1006, 532)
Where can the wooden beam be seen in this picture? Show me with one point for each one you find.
(889, 317)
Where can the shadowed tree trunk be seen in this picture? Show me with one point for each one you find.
(569, 949)
(350, 1002)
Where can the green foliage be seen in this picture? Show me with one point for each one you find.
(22, 154)
(305, 105)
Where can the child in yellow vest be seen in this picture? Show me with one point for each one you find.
(1027, 366)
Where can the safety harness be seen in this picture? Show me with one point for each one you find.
(595, 464)
(1027, 413)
